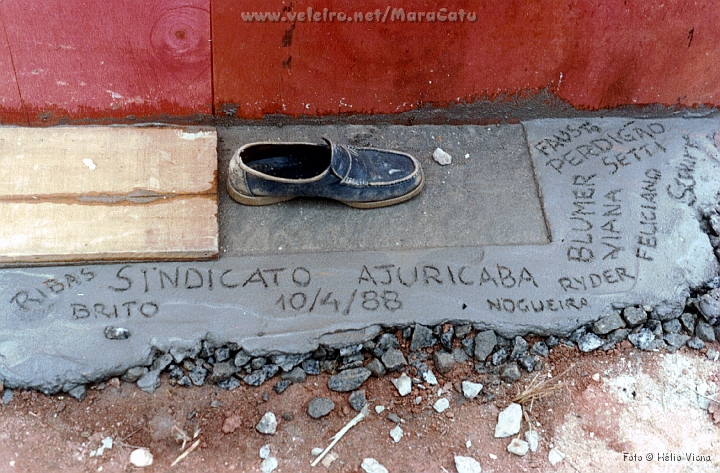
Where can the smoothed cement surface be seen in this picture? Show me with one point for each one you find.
(622, 200)
(488, 198)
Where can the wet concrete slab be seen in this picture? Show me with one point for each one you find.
(623, 201)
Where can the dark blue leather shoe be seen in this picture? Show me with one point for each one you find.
(266, 173)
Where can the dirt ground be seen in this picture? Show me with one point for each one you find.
(610, 412)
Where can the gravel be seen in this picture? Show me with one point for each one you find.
(358, 400)
(320, 407)
(370, 465)
(635, 316)
(518, 447)
(444, 361)
(676, 340)
(133, 374)
(269, 465)
(268, 424)
(696, 344)
(509, 421)
(197, 375)
(403, 384)
(393, 359)
(348, 380)
(384, 343)
(296, 375)
(441, 405)
(311, 366)
(281, 386)
(555, 456)
(520, 347)
(485, 343)
(149, 382)
(429, 377)
(510, 373)
(396, 433)
(533, 440)
(471, 390)
(422, 337)
(607, 324)
(116, 333)
(704, 331)
(376, 367)
(499, 357)
(643, 339)
(540, 348)
(467, 465)
(590, 342)
(708, 306)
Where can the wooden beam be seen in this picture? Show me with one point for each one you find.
(73, 194)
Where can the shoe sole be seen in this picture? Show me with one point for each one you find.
(259, 200)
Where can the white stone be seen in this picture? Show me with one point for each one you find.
(533, 440)
(429, 377)
(555, 456)
(265, 451)
(370, 465)
(403, 384)
(396, 433)
(268, 424)
(316, 451)
(468, 444)
(467, 465)
(509, 421)
(379, 409)
(441, 404)
(470, 389)
(141, 457)
(441, 157)
(268, 465)
(518, 447)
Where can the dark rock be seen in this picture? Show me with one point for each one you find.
(162, 362)
(78, 392)
(618, 335)
(540, 348)
(462, 331)
(655, 326)
(369, 345)
(149, 382)
(384, 343)
(281, 386)
(348, 380)
(672, 326)
(578, 334)
(444, 361)
(188, 365)
(485, 343)
(180, 353)
(351, 350)
(502, 341)
(353, 361)
(407, 333)
(184, 381)
(328, 366)
(320, 353)
(222, 354)
(256, 378)
(320, 407)
(708, 306)
(704, 331)
(643, 339)
(635, 316)
(590, 342)
(499, 357)
(197, 375)
(527, 362)
(311, 366)
(116, 333)
(288, 362)
(422, 338)
(468, 346)
(696, 344)
(376, 368)
(296, 375)
(175, 372)
(446, 339)
(460, 355)
(668, 310)
(207, 350)
(676, 340)
(688, 321)
(510, 373)
(420, 367)
(258, 363)
(229, 384)
(520, 348)
(607, 324)
(357, 400)
(133, 374)
(394, 359)
(552, 341)
(222, 371)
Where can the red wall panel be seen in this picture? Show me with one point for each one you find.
(98, 60)
(592, 54)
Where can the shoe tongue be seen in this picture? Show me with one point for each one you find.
(346, 165)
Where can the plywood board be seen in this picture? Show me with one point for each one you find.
(107, 193)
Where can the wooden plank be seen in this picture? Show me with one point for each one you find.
(82, 60)
(74, 194)
(11, 108)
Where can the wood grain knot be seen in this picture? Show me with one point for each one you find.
(180, 38)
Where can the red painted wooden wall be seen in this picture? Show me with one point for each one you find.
(93, 61)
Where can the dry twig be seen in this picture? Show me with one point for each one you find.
(186, 453)
(540, 389)
(335, 438)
